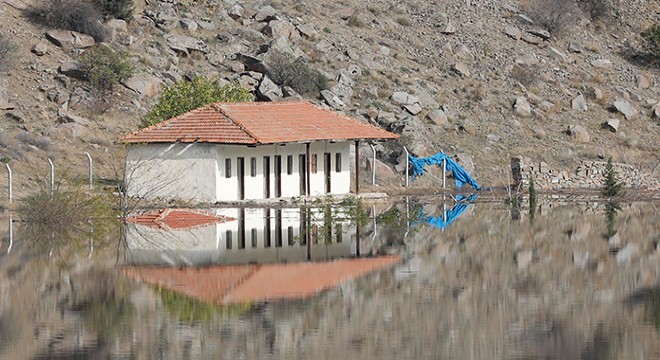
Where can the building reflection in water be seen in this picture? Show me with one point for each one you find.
(246, 254)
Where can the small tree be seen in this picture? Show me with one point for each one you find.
(189, 95)
(104, 67)
(611, 185)
(652, 38)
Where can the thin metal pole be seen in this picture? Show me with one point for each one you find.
(91, 170)
(407, 164)
(373, 165)
(52, 176)
(11, 233)
(357, 168)
(9, 187)
(307, 169)
(444, 173)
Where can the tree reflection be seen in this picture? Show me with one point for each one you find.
(611, 209)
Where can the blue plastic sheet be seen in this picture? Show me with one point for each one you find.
(452, 214)
(461, 177)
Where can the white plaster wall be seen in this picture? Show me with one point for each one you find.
(227, 188)
(184, 171)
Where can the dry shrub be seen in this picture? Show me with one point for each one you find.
(83, 16)
(356, 20)
(286, 70)
(403, 21)
(553, 15)
(597, 9)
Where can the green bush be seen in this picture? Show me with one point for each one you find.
(104, 67)
(120, 9)
(652, 38)
(189, 95)
(286, 70)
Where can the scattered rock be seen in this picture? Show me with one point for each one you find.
(265, 14)
(206, 25)
(539, 133)
(449, 28)
(529, 38)
(189, 25)
(625, 108)
(521, 107)
(543, 34)
(556, 54)
(579, 133)
(403, 98)
(307, 31)
(383, 171)
(235, 12)
(278, 28)
(468, 127)
(438, 117)
(332, 100)
(579, 103)
(575, 47)
(464, 53)
(185, 44)
(144, 84)
(65, 117)
(611, 125)
(513, 32)
(523, 259)
(40, 49)
(413, 108)
(73, 69)
(601, 63)
(493, 137)
(268, 90)
(462, 69)
(643, 82)
(656, 110)
(71, 39)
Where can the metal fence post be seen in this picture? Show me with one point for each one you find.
(9, 187)
(407, 164)
(91, 171)
(373, 165)
(52, 177)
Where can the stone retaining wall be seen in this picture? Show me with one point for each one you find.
(588, 175)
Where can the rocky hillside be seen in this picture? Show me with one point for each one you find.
(485, 80)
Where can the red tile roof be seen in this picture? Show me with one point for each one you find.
(256, 283)
(177, 219)
(257, 123)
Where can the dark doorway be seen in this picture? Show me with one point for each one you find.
(240, 168)
(302, 174)
(278, 176)
(327, 171)
(266, 177)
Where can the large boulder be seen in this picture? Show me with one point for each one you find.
(144, 84)
(186, 44)
(579, 133)
(268, 90)
(70, 39)
(625, 108)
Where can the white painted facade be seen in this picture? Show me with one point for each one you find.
(258, 235)
(210, 172)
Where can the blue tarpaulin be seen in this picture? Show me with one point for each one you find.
(461, 177)
(451, 214)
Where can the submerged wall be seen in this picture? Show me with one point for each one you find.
(588, 175)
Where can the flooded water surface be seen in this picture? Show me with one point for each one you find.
(411, 280)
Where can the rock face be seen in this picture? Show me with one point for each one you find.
(403, 98)
(71, 39)
(144, 84)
